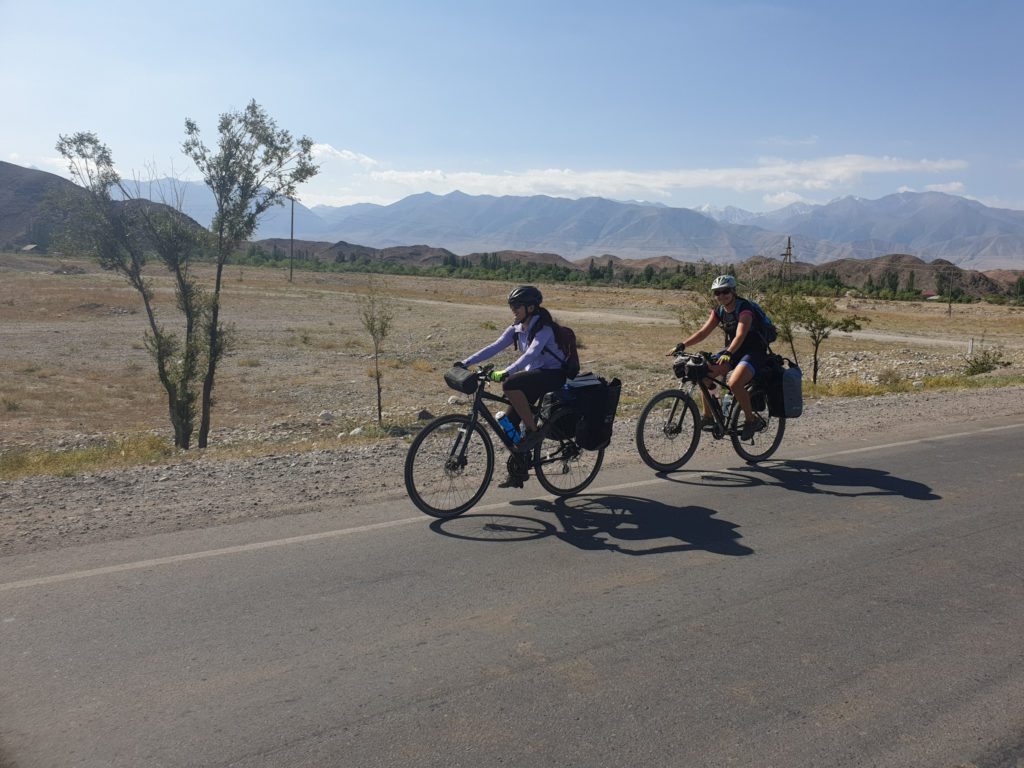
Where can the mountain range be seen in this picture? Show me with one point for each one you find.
(929, 225)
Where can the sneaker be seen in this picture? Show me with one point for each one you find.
(707, 423)
(513, 481)
(530, 441)
(750, 427)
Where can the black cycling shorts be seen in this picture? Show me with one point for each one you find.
(535, 384)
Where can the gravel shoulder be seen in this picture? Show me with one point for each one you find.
(44, 513)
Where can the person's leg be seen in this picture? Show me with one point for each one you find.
(707, 418)
(739, 377)
(519, 388)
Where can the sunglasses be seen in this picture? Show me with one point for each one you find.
(514, 307)
(722, 292)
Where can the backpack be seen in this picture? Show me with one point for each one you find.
(565, 339)
(764, 326)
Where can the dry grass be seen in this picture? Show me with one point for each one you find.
(74, 362)
(118, 452)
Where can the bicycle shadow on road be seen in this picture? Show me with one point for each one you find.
(633, 525)
(628, 525)
(811, 477)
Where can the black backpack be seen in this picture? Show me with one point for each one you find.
(763, 325)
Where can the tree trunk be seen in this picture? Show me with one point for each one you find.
(376, 370)
(214, 353)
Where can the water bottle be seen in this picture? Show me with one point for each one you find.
(726, 404)
(510, 430)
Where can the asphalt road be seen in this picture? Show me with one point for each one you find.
(843, 606)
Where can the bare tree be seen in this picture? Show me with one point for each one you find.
(376, 314)
(121, 233)
(255, 166)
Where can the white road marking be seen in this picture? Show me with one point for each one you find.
(171, 559)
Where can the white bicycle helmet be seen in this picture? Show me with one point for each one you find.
(724, 281)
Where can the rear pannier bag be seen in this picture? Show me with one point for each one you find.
(558, 411)
(596, 405)
(792, 391)
(461, 380)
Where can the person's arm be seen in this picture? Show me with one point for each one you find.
(545, 338)
(705, 330)
(491, 349)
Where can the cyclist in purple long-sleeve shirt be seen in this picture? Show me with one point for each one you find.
(537, 370)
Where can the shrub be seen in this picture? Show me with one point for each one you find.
(889, 377)
(984, 360)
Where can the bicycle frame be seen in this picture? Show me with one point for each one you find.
(720, 418)
(480, 409)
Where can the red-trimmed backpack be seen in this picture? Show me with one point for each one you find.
(565, 339)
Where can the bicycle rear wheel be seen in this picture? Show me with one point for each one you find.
(764, 441)
(668, 430)
(441, 479)
(565, 469)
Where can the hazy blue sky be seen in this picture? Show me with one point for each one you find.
(754, 104)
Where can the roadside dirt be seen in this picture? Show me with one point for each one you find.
(74, 373)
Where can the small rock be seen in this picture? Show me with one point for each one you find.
(453, 400)
(424, 415)
(356, 431)
(325, 417)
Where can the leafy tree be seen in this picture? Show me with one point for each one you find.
(909, 288)
(786, 310)
(120, 234)
(255, 166)
(819, 317)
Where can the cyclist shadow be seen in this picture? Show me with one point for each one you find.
(810, 477)
(835, 480)
(632, 525)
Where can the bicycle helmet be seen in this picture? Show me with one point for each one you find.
(525, 295)
(724, 281)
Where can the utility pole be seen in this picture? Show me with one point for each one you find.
(291, 247)
(787, 262)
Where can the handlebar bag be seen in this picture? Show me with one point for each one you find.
(462, 380)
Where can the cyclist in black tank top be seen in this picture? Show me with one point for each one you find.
(744, 351)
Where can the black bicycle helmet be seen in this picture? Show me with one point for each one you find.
(525, 295)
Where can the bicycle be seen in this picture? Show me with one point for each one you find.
(670, 426)
(451, 461)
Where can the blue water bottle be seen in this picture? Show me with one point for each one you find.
(510, 430)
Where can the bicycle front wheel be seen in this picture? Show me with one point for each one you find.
(565, 469)
(668, 430)
(764, 442)
(448, 466)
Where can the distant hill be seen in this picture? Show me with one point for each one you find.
(33, 206)
(932, 225)
(927, 276)
(25, 216)
(928, 225)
